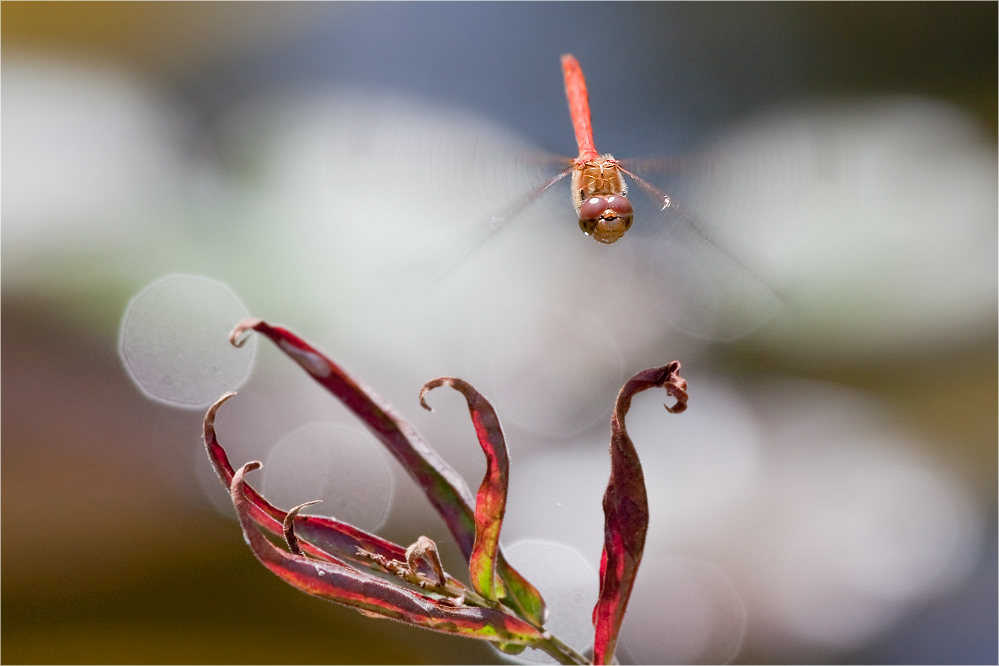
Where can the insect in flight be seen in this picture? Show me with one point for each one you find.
(598, 188)
(599, 193)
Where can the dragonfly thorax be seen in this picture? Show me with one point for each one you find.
(598, 194)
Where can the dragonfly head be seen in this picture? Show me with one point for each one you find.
(606, 218)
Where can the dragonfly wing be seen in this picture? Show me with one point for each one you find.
(409, 188)
(715, 286)
(653, 168)
(489, 227)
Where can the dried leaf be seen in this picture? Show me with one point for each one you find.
(626, 510)
(490, 502)
(424, 549)
(370, 595)
(290, 537)
(443, 486)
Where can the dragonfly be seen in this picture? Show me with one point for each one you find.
(599, 191)
(599, 195)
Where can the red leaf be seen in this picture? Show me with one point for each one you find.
(490, 502)
(626, 510)
(443, 486)
(370, 595)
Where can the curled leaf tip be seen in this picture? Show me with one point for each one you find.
(237, 336)
(209, 426)
(430, 386)
(425, 548)
(676, 386)
(289, 527)
(235, 488)
(251, 466)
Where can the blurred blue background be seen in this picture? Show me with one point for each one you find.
(837, 501)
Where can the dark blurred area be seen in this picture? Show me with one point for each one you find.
(123, 566)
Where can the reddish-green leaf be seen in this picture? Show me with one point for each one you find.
(490, 502)
(370, 595)
(626, 510)
(322, 537)
(443, 486)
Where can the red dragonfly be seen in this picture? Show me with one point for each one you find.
(599, 195)
(598, 189)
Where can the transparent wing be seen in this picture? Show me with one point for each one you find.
(710, 282)
(487, 229)
(414, 188)
(655, 168)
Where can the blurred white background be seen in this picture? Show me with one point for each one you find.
(828, 497)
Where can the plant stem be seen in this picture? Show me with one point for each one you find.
(561, 652)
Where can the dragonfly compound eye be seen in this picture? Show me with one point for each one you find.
(620, 205)
(587, 226)
(592, 209)
(606, 219)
